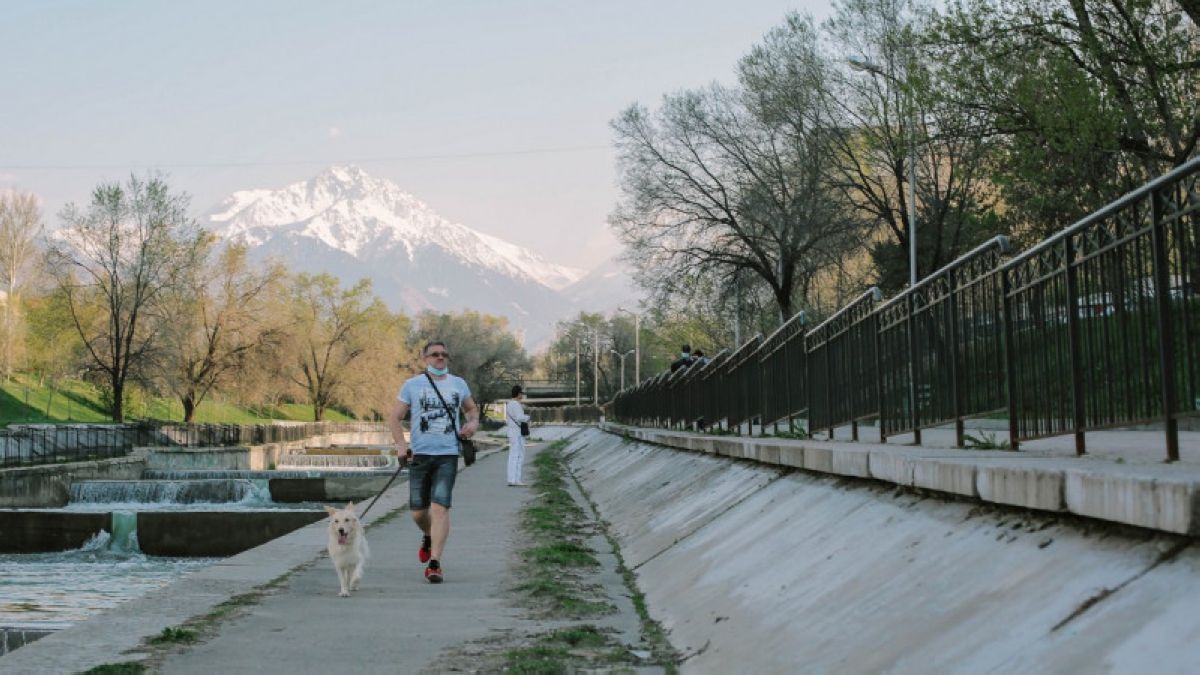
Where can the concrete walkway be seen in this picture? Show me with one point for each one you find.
(1140, 445)
(395, 623)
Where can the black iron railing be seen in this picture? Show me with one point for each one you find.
(1097, 326)
(52, 443)
(568, 414)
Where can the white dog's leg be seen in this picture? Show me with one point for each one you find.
(356, 577)
(342, 574)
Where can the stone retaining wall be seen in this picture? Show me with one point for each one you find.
(1158, 497)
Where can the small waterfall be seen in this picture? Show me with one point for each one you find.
(205, 491)
(338, 461)
(124, 532)
(259, 493)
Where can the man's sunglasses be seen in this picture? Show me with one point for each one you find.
(439, 355)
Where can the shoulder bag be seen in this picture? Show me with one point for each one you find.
(466, 445)
(523, 425)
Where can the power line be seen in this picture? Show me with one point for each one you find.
(304, 162)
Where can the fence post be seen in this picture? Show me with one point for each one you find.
(1073, 345)
(1166, 335)
(1010, 363)
(952, 332)
(912, 366)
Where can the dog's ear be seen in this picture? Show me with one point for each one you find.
(350, 506)
(330, 509)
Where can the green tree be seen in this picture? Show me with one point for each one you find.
(1088, 98)
(484, 352)
(114, 261)
(891, 113)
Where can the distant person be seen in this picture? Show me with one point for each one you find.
(684, 360)
(435, 398)
(700, 358)
(515, 416)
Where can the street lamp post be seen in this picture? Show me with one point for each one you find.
(637, 345)
(577, 370)
(874, 68)
(596, 368)
(622, 357)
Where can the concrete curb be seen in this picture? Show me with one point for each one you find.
(1156, 497)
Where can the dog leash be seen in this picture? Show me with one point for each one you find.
(403, 462)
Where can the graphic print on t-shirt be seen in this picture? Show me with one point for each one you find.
(432, 416)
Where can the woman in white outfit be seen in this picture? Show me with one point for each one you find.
(514, 414)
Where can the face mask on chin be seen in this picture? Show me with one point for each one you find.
(437, 371)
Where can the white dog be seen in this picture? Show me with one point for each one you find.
(347, 547)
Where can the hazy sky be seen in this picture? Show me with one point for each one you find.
(494, 113)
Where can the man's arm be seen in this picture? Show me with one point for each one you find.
(395, 423)
(471, 412)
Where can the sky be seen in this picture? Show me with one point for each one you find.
(496, 114)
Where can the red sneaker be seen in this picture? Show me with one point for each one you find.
(425, 552)
(433, 573)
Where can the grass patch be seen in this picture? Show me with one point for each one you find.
(557, 553)
(562, 554)
(173, 635)
(567, 650)
(799, 435)
(123, 668)
(25, 399)
(985, 441)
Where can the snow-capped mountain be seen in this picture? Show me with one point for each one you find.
(350, 211)
(352, 225)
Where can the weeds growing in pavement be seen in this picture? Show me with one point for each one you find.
(123, 668)
(172, 634)
(985, 441)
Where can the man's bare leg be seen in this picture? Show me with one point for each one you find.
(421, 518)
(439, 528)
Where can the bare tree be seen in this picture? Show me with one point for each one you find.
(724, 181)
(220, 320)
(890, 117)
(20, 222)
(113, 261)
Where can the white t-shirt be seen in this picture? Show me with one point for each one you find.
(433, 433)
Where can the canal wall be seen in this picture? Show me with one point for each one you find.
(800, 570)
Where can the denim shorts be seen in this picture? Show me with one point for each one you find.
(431, 478)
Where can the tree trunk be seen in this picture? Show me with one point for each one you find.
(189, 407)
(118, 404)
(318, 413)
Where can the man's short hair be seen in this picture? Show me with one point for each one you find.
(687, 348)
(425, 349)
(516, 390)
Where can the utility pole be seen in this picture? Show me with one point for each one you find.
(577, 370)
(596, 369)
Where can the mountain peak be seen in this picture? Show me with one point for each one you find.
(347, 209)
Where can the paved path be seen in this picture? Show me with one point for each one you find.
(397, 622)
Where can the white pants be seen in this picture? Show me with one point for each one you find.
(516, 455)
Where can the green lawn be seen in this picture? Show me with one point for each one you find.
(23, 400)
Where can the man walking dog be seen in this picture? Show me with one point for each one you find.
(435, 398)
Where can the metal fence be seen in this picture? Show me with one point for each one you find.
(50, 443)
(1095, 327)
(565, 414)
